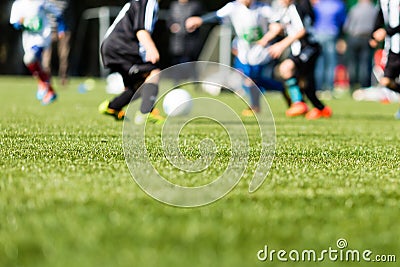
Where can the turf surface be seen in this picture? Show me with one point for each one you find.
(67, 197)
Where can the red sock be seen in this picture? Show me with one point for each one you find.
(37, 70)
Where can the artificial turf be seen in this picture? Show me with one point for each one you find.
(67, 197)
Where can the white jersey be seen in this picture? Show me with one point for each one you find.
(34, 14)
(293, 22)
(250, 24)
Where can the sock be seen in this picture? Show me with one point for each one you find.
(36, 70)
(149, 96)
(294, 90)
(122, 100)
(254, 96)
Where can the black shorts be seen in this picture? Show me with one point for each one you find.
(305, 61)
(392, 68)
(130, 65)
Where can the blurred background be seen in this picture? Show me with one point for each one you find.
(87, 20)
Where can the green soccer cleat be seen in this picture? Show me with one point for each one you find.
(103, 108)
(152, 117)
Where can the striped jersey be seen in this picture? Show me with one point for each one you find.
(389, 15)
(120, 42)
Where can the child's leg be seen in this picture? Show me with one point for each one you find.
(45, 92)
(132, 82)
(310, 91)
(32, 61)
(287, 71)
(255, 95)
(390, 83)
(119, 102)
(274, 85)
(149, 92)
(319, 109)
(392, 71)
(137, 85)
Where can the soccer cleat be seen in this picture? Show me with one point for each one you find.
(250, 112)
(315, 113)
(104, 109)
(43, 87)
(297, 109)
(119, 115)
(152, 117)
(155, 117)
(49, 98)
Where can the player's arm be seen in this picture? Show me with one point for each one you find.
(379, 32)
(172, 22)
(145, 39)
(15, 19)
(296, 21)
(274, 29)
(278, 48)
(195, 22)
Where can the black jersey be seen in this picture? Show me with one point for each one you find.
(120, 44)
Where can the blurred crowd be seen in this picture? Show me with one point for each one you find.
(346, 61)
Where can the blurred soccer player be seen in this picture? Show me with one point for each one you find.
(129, 49)
(250, 21)
(387, 25)
(62, 45)
(30, 16)
(295, 20)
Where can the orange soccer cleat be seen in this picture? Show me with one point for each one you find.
(315, 113)
(297, 109)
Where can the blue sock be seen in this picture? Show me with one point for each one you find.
(294, 90)
(254, 94)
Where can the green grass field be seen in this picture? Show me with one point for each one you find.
(67, 197)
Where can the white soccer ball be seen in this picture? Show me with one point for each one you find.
(115, 84)
(212, 89)
(177, 102)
